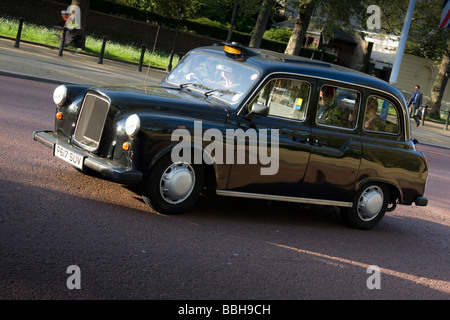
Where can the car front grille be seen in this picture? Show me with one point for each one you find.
(91, 121)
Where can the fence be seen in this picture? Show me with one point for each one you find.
(66, 38)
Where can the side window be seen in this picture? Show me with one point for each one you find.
(338, 107)
(287, 98)
(381, 116)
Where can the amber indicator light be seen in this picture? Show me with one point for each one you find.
(232, 50)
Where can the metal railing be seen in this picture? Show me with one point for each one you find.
(62, 44)
(424, 113)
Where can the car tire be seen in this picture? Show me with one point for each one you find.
(172, 188)
(369, 206)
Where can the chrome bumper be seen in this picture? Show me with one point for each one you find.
(104, 166)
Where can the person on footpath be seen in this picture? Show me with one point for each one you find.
(416, 102)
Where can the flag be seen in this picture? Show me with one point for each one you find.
(445, 16)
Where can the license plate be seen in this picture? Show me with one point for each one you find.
(69, 156)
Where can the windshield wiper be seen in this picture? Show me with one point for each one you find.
(197, 85)
(220, 91)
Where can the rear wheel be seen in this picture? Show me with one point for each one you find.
(172, 188)
(369, 206)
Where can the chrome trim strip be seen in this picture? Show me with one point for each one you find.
(238, 194)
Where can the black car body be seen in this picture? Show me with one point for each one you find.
(248, 123)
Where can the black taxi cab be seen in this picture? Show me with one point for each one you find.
(249, 123)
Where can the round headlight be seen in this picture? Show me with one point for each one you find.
(132, 125)
(60, 95)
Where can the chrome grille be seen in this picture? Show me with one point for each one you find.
(91, 121)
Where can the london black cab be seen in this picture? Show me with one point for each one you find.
(247, 123)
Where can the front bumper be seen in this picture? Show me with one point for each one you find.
(104, 166)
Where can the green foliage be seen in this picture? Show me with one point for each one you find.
(114, 50)
(209, 22)
(278, 34)
(30, 32)
(425, 38)
(128, 52)
(136, 3)
(221, 11)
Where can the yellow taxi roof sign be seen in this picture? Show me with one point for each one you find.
(232, 50)
(237, 51)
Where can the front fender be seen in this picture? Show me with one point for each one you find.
(162, 135)
(70, 109)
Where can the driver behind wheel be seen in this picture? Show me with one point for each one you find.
(229, 79)
(201, 71)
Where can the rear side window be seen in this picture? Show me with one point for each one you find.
(338, 107)
(286, 98)
(381, 116)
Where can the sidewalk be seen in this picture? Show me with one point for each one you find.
(43, 63)
(431, 133)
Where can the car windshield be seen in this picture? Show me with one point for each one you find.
(220, 78)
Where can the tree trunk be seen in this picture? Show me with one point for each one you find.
(439, 85)
(261, 24)
(305, 11)
(233, 20)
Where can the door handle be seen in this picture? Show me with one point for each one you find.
(300, 138)
(316, 142)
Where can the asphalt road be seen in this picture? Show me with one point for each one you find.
(53, 217)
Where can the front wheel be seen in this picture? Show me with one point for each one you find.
(172, 188)
(369, 206)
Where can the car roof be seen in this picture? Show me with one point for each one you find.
(270, 61)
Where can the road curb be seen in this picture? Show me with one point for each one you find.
(31, 77)
(433, 145)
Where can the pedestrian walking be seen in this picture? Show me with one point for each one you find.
(414, 105)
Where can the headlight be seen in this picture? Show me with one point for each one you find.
(60, 95)
(132, 125)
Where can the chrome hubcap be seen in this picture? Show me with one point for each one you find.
(370, 203)
(177, 183)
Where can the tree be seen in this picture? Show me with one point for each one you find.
(425, 39)
(169, 8)
(233, 20)
(305, 10)
(330, 14)
(437, 91)
(261, 23)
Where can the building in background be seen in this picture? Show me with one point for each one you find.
(372, 53)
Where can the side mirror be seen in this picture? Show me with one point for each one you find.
(415, 141)
(257, 108)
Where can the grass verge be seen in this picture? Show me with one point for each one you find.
(93, 45)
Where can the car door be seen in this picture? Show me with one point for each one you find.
(288, 100)
(336, 147)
